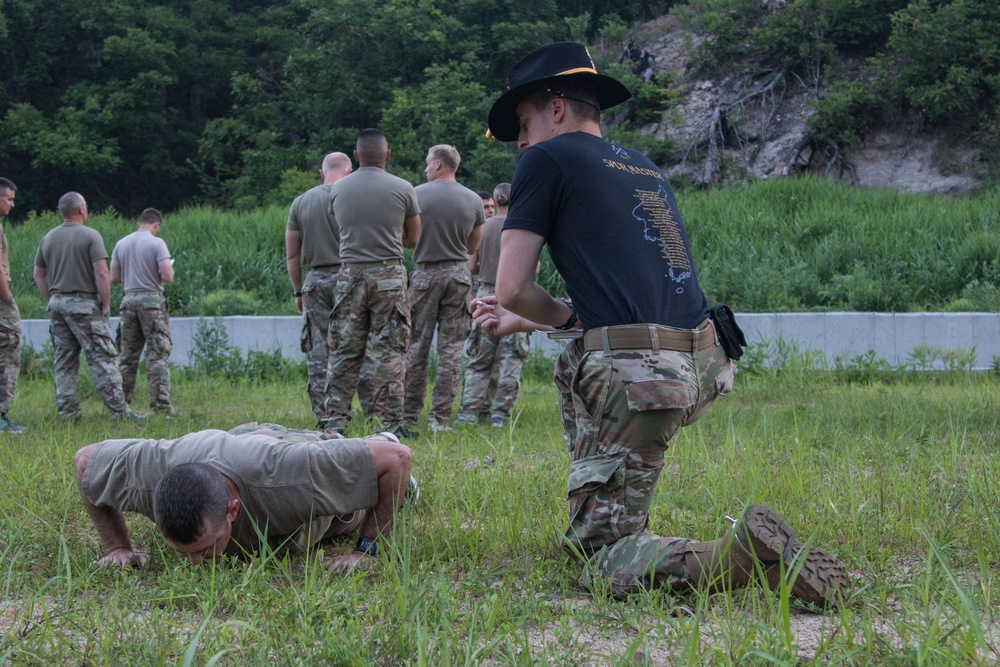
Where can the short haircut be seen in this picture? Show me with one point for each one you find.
(70, 202)
(501, 194)
(372, 147)
(484, 195)
(150, 216)
(579, 98)
(336, 162)
(448, 155)
(185, 497)
(7, 184)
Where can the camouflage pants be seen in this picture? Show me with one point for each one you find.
(371, 314)
(439, 298)
(317, 303)
(10, 352)
(321, 527)
(369, 391)
(77, 324)
(144, 323)
(488, 357)
(619, 410)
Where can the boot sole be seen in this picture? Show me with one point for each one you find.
(822, 578)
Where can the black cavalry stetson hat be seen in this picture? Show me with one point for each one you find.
(546, 66)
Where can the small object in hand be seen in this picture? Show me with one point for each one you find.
(481, 304)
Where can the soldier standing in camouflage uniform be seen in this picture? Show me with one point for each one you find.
(451, 218)
(312, 238)
(141, 263)
(648, 360)
(10, 319)
(71, 272)
(487, 357)
(378, 217)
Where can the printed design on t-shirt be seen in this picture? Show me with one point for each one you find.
(620, 152)
(659, 226)
(632, 169)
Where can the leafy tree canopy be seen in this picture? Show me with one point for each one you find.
(234, 102)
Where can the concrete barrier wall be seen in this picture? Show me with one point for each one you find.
(894, 337)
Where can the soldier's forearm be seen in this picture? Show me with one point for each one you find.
(295, 274)
(5, 292)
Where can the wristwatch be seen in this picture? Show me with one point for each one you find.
(367, 545)
(572, 316)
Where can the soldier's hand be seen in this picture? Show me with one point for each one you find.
(122, 557)
(496, 321)
(481, 302)
(298, 304)
(347, 562)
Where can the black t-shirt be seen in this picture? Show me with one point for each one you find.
(611, 224)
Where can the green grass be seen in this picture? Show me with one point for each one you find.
(899, 478)
(769, 246)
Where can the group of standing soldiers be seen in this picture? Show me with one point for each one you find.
(368, 327)
(360, 308)
(72, 273)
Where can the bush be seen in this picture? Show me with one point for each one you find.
(847, 110)
(37, 364)
(212, 355)
(221, 303)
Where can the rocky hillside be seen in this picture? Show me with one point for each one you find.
(754, 123)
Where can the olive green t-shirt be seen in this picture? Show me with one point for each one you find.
(312, 217)
(371, 205)
(281, 485)
(67, 253)
(489, 250)
(4, 255)
(448, 214)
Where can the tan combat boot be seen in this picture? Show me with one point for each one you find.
(820, 576)
(722, 564)
(762, 534)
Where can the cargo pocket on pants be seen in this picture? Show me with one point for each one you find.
(660, 395)
(160, 339)
(305, 338)
(596, 494)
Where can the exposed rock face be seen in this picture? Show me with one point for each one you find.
(754, 124)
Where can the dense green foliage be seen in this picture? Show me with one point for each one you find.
(170, 103)
(173, 104)
(772, 246)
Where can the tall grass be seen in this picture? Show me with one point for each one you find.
(898, 478)
(807, 244)
(770, 246)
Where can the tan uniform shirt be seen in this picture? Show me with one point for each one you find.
(4, 254)
(448, 214)
(281, 485)
(312, 217)
(68, 253)
(489, 250)
(139, 255)
(370, 206)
